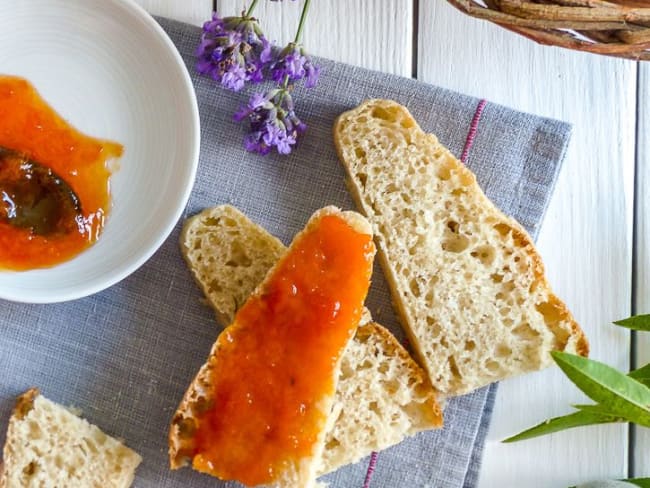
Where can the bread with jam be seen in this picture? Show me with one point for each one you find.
(257, 410)
(382, 395)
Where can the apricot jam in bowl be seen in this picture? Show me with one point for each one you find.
(99, 145)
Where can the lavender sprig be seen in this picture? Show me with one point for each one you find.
(294, 64)
(233, 50)
(273, 122)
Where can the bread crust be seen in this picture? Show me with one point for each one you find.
(393, 119)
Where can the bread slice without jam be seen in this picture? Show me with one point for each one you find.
(466, 279)
(47, 445)
(382, 395)
(257, 410)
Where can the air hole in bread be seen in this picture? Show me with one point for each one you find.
(455, 243)
(359, 153)
(485, 254)
(406, 198)
(363, 179)
(238, 256)
(470, 345)
(214, 287)
(492, 366)
(30, 469)
(332, 444)
(35, 430)
(525, 332)
(444, 172)
(552, 314)
(453, 367)
(502, 229)
(212, 222)
(496, 277)
(452, 226)
(503, 351)
(374, 408)
(414, 287)
(389, 114)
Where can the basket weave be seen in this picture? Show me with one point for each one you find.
(616, 28)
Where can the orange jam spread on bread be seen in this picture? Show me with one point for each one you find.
(44, 163)
(276, 364)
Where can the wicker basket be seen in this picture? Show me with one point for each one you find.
(615, 28)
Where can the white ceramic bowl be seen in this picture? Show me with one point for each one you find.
(109, 69)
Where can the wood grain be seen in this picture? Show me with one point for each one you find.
(586, 240)
(191, 11)
(642, 447)
(351, 31)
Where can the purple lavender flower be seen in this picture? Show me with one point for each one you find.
(273, 122)
(293, 64)
(233, 51)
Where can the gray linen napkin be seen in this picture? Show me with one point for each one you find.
(126, 355)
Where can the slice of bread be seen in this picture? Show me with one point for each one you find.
(466, 280)
(47, 445)
(382, 395)
(273, 292)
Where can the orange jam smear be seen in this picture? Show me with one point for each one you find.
(276, 362)
(28, 125)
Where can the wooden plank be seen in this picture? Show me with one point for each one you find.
(586, 240)
(642, 447)
(191, 11)
(351, 31)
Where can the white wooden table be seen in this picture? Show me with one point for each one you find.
(596, 233)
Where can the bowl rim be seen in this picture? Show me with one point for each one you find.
(129, 266)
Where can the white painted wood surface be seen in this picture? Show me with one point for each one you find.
(586, 237)
(586, 240)
(352, 31)
(642, 448)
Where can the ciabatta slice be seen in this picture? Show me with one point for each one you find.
(338, 237)
(466, 280)
(48, 446)
(382, 395)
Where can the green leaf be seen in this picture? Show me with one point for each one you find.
(624, 396)
(642, 482)
(576, 419)
(638, 322)
(642, 374)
